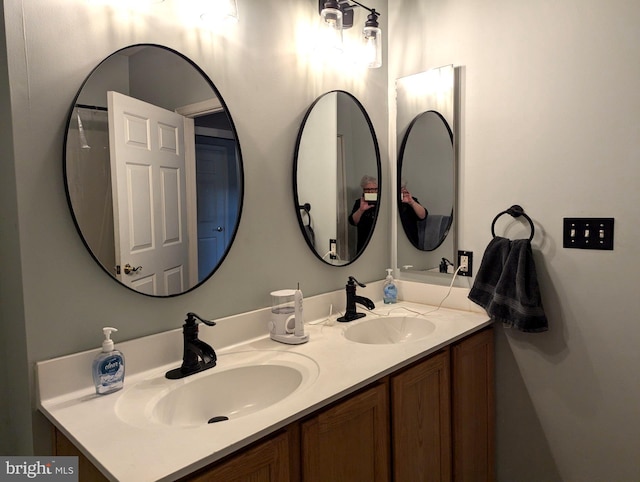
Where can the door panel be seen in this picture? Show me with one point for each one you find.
(149, 195)
(140, 209)
(217, 199)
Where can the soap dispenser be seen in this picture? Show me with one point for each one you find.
(389, 290)
(108, 366)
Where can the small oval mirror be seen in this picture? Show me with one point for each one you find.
(153, 170)
(336, 178)
(426, 181)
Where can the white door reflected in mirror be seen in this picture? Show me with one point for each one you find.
(149, 194)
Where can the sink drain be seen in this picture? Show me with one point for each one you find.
(220, 418)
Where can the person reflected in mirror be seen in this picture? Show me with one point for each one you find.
(363, 213)
(411, 213)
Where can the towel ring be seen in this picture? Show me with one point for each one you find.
(515, 211)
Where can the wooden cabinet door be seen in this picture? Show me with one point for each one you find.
(421, 421)
(349, 441)
(87, 472)
(266, 462)
(473, 408)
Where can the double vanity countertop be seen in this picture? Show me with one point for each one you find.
(124, 448)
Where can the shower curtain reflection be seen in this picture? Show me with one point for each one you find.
(88, 180)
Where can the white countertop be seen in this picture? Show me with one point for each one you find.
(136, 452)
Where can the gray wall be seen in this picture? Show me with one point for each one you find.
(15, 416)
(550, 109)
(54, 299)
(549, 120)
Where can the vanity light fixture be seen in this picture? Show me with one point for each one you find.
(338, 15)
(331, 14)
(220, 12)
(372, 41)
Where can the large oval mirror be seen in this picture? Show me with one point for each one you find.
(336, 178)
(153, 170)
(426, 181)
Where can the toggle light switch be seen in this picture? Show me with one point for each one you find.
(596, 233)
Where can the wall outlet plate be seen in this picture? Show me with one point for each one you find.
(465, 260)
(333, 243)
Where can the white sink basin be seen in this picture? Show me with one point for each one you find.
(390, 330)
(241, 384)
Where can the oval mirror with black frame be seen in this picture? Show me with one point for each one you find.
(426, 181)
(153, 170)
(336, 178)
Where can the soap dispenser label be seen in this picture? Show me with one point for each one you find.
(110, 366)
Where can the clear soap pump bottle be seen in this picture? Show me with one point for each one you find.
(108, 366)
(389, 290)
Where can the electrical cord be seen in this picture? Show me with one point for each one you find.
(328, 253)
(455, 274)
(328, 321)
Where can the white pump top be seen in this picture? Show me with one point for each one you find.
(107, 344)
(389, 270)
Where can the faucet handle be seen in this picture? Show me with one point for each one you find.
(352, 280)
(191, 320)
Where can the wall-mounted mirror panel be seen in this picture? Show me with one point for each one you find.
(153, 170)
(336, 178)
(426, 172)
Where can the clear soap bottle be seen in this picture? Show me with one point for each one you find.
(108, 366)
(389, 290)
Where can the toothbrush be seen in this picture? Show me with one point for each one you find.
(299, 323)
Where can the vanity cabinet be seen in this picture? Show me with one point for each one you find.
(349, 441)
(87, 472)
(421, 420)
(473, 415)
(266, 461)
(430, 421)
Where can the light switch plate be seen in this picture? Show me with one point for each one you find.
(588, 233)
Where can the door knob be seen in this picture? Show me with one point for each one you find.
(219, 229)
(128, 269)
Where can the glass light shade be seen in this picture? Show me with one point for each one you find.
(372, 47)
(332, 26)
(220, 12)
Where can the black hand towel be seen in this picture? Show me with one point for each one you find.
(488, 275)
(515, 299)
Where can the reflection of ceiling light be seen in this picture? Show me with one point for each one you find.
(338, 15)
(220, 12)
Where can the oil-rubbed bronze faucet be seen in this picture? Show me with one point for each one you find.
(198, 356)
(351, 313)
